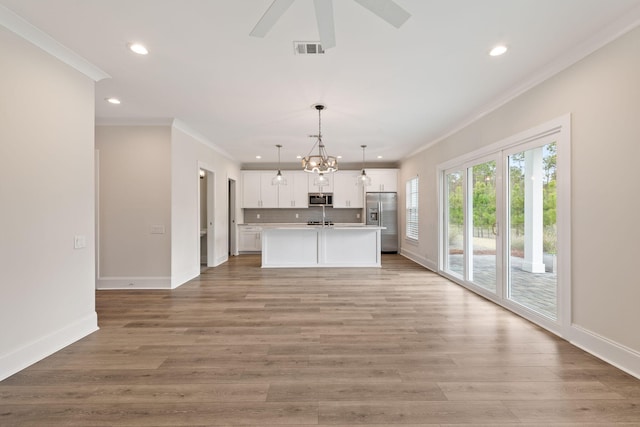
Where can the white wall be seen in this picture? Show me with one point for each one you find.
(134, 200)
(47, 197)
(602, 93)
(187, 154)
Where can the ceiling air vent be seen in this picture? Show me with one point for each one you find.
(307, 48)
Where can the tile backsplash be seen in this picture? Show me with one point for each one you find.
(304, 215)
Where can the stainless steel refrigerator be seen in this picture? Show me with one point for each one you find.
(382, 210)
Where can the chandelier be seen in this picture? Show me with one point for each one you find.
(321, 162)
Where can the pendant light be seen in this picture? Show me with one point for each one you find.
(279, 179)
(363, 179)
(320, 163)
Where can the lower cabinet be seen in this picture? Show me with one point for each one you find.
(249, 239)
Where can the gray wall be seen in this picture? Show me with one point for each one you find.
(134, 196)
(602, 93)
(188, 154)
(47, 294)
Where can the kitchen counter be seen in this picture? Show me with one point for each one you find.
(300, 245)
(299, 224)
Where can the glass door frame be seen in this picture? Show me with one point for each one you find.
(467, 207)
(443, 262)
(525, 146)
(558, 130)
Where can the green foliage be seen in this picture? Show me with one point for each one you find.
(456, 210)
(484, 195)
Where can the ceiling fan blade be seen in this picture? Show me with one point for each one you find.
(270, 17)
(324, 16)
(387, 10)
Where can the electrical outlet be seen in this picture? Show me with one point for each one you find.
(257, 216)
(357, 216)
(157, 229)
(297, 216)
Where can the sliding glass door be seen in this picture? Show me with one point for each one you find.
(484, 226)
(499, 229)
(454, 223)
(532, 279)
(470, 224)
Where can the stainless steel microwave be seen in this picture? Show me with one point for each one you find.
(320, 199)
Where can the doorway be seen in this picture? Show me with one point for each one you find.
(232, 218)
(206, 222)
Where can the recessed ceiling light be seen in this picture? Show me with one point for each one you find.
(112, 100)
(298, 157)
(138, 48)
(498, 50)
(379, 157)
(339, 157)
(258, 157)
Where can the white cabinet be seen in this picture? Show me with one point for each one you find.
(383, 180)
(249, 238)
(347, 193)
(296, 193)
(257, 191)
(315, 187)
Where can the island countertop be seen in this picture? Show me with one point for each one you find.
(302, 245)
(304, 225)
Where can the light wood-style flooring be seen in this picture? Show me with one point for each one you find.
(316, 347)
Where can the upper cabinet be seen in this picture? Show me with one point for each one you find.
(383, 180)
(348, 193)
(257, 191)
(316, 186)
(296, 193)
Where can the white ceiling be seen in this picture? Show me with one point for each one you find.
(395, 90)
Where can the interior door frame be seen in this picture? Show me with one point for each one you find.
(210, 176)
(232, 240)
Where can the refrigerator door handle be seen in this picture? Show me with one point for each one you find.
(380, 213)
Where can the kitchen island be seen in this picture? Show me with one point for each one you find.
(321, 246)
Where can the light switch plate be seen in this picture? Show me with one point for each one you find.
(79, 241)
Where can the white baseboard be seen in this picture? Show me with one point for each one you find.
(37, 350)
(183, 277)
(133, 283)
(611, 352)
(222, 260)
(426, 263)
(603, 348)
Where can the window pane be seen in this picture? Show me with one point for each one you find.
(455, 223)
(412, 208)
(532, 229)
(483, 225)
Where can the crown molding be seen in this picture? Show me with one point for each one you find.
(184, 127)
(606, 35)
(133, 122)
(39, 38)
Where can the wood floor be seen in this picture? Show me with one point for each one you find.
(308, 347)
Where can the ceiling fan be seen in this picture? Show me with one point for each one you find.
(385, 9)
